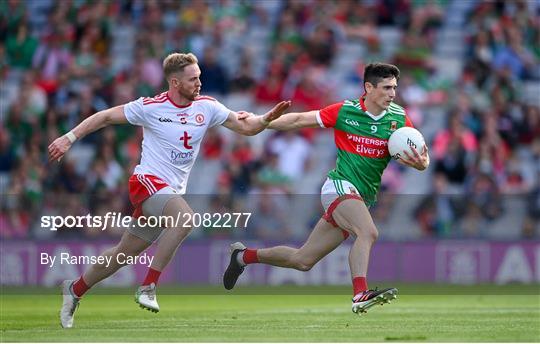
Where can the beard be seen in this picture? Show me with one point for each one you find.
(188, 95)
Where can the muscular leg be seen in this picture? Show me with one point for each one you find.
(173, 236)
(323, 239)
(353, 216)
(129, 244)
(168, 243)
(72, 291)
(132, 245)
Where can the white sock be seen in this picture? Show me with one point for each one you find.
(240, 258)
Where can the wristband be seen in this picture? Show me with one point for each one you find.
(71, 137)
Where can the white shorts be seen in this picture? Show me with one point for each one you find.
(153, 206)
(334, 192)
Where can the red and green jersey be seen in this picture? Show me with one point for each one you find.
(362, 142)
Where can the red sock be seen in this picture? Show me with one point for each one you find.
(152, 276)
(359, 285)
(250, 256)
(79, 287)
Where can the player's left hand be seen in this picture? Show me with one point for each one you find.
(244, 114)
(416, 160)
(276, 111)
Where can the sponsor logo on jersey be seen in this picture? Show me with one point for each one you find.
(371, 141)
(352, 122)
(371, 152)
(179, 158)
(183, 117)
(165, 119)
(370, 147)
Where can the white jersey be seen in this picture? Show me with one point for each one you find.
(172, 134)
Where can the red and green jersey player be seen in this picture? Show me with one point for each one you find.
(362, 128)
(362, 142)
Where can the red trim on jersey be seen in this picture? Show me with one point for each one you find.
(370, 147)
(160, 98)
(362, 104)
(142, 186)
(163, 97)
(157, 97)
(178, 106)
(408, 122)
(329, 114)
(146, 102)
(206, 98)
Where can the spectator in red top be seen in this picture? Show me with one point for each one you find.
(453, 148)
(455, 130)
(269, 90)
(213, 145)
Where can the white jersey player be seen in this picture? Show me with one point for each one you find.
(174, 124)
(173, 134)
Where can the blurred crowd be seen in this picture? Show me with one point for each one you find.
(62, 61)
(488, 154)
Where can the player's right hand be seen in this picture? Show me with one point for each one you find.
(416, 160)
(58, 148)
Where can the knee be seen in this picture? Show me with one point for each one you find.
(124, 252)
(175, 235)
(134, 251)
(370, 234)
(373, 234)
(301, 264)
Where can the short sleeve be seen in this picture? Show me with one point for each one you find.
(220, 113)
(408, 122)
(327, 117)
(134, 112)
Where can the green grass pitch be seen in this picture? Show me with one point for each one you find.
(278, 314)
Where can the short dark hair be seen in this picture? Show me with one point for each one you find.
(375, 72)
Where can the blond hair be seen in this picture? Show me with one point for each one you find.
(176, 62)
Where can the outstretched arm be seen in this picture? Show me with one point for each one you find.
(296, 120)
(97, 121)
(248, 124)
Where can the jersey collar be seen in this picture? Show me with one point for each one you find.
(178, 106)
(363, 106)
